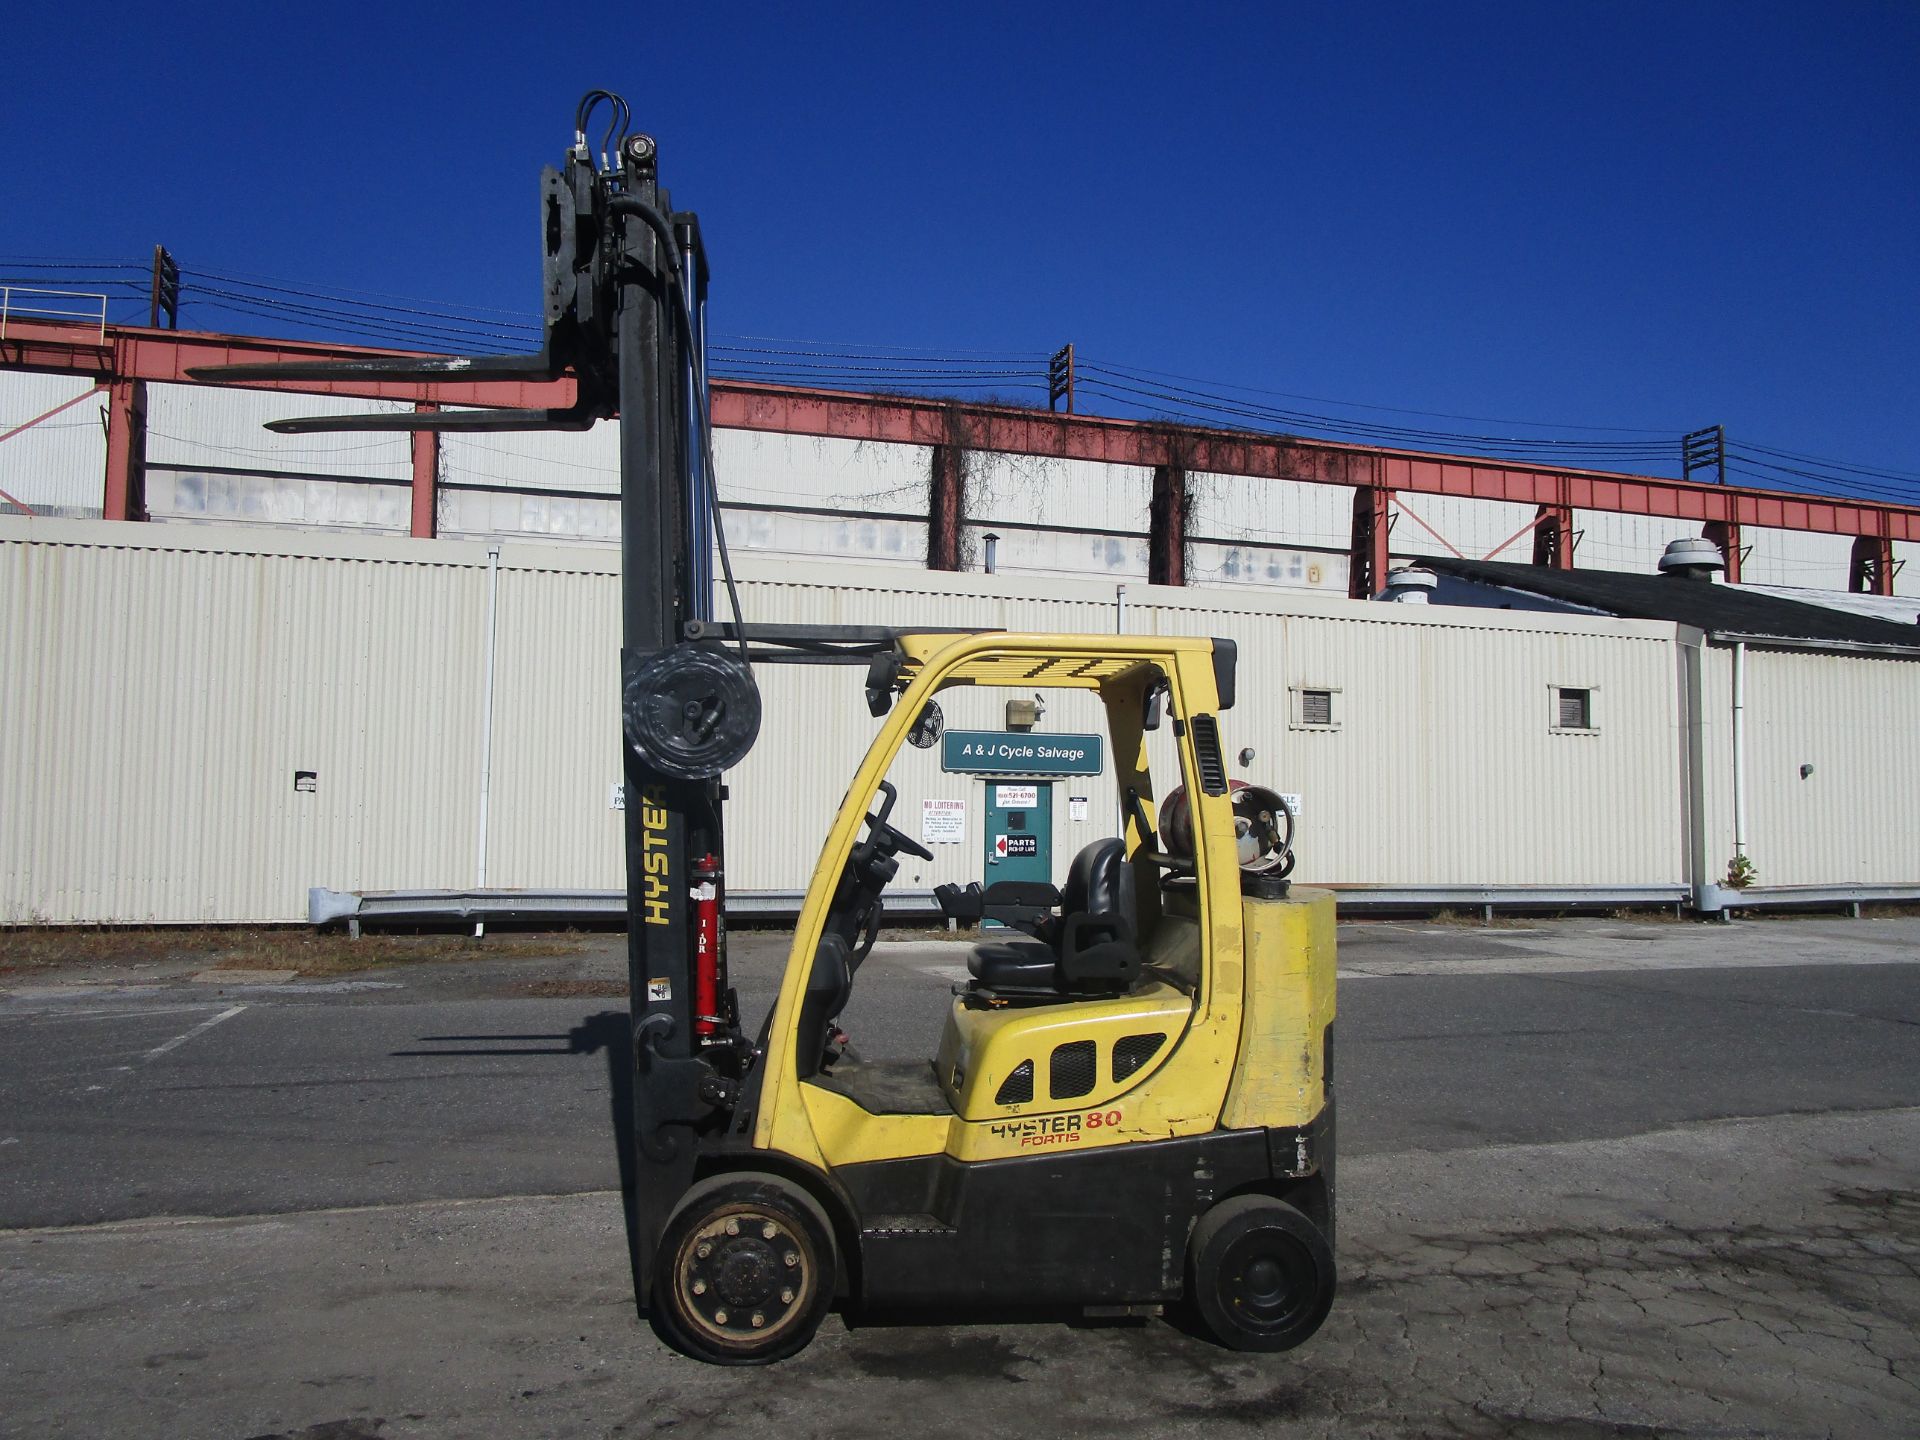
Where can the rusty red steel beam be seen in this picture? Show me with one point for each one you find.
(131, 352)
(165, 356)
(739, 405)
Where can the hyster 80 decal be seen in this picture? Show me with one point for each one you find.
(1054, 1129)
(653, 846)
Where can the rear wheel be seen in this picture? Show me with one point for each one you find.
(745, 1271)
(1261, 1273)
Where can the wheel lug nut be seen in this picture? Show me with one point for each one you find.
(792, 1257)
(758, 1319)
(699, 1287)
(703, 1250)
(720, 1317)
(786, 1297)
(733, 1227)
(768, 1231)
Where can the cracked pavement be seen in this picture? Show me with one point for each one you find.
(1628, 1273)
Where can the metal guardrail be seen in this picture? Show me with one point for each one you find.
(70, 309)
(1763, 897)
(416, 907)
(352, 909)
(1384, 899)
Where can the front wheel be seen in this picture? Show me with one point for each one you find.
(745, 1271)
(1262, 1273)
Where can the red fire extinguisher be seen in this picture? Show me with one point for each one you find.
(707, 1019)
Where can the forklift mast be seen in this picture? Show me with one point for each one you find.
(624, 290)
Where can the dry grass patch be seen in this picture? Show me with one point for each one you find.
(569, 990)
(262, 948)
(41, 947)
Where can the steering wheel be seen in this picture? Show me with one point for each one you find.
(895, 840)
(884, 837)
(870, 866)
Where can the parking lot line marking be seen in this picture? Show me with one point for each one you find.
(57, 1016)
(200, 1029)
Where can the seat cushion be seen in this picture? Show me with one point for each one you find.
(1013, 965)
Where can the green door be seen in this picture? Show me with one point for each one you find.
(1019, 831)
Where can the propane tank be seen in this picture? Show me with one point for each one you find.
(1262, 827)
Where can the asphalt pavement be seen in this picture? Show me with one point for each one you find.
(1601, 1177)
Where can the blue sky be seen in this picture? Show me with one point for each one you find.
(1634, 215)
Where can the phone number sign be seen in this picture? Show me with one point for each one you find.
(997, 752)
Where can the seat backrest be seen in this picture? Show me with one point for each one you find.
(1100, 882)
(1096, 945)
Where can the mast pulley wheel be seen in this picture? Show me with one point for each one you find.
(691, 712)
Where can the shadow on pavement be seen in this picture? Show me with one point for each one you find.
(608, 1033)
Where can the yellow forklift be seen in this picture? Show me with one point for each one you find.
(1131, 1103)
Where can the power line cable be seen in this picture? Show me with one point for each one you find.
(1784, 475)
(466, 320)
(27, 262)
(1140, 371)
(348, 291)
(1229, 404)
(849, 344)
(1830, 464)
(1513, 447)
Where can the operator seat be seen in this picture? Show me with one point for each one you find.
(1092, 949)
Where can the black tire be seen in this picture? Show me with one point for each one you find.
(745, 1271)
(1260, 1273)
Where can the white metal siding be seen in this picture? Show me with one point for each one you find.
(1609, 540)
(59, 466)
(541, 459)
(210, 460)
(1854, 719)
(1443, 768)
(208, 425)
(1795, 557)
(165, 683)
(858, 484)
(160, 699)
(556, 729)
(1271, 512)
(1476, 529)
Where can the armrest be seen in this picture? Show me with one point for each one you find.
(1029, 894)
(1026, 905)
(1082, 931)
(961, 905)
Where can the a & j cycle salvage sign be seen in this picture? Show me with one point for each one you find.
(997, 752)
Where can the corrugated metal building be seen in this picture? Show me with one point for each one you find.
(1804, 701)
(199, 723)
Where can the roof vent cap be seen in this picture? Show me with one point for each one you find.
(1695, 558)
(1410, 585)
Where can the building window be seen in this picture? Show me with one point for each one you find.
(1573, 710)
(1316, 707)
